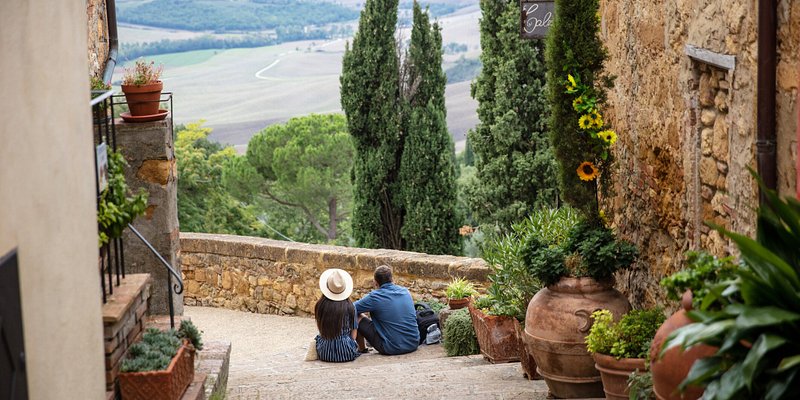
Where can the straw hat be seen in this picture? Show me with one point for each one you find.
(336, 284)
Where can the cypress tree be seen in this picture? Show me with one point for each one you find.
(370, 98)
(574, 49)
(514, 160)
(427, 169)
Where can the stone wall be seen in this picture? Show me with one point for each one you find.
(686, 125)
(97, 27)
(276, 277)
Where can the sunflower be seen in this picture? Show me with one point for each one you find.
(585, 122)
(587, 171)
(597, 119)
(577, 102)
(572, 84)
(608, 136)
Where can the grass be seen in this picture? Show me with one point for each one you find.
(175, 60)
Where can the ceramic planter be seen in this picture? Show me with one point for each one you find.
(525, 356)
(455, 304)
(671, 369)
(556, 324)
(143, 100)
(168, 384)
(497, 336)
(615, 373)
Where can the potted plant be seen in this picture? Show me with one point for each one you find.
(578, 275)
(757, 327)
(494, 328)
(161, 366)
(142, 87)
(116, 207)
(458, 292)
(619, 349)
(459, 336)
(690, 286)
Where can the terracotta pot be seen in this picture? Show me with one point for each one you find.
(525, 357)
(671, 369)
(615, 373)
(143, 99)
(556, 324)
(497, 336)
(455, 304)
(168, 384)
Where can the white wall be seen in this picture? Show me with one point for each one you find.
(47, 205)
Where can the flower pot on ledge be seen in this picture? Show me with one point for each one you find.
(168, 384)
(143, 101)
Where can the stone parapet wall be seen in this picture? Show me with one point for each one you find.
(275, 277)
(687, 126)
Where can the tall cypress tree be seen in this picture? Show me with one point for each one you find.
(514, 160)
(427, 169)
(370, 99)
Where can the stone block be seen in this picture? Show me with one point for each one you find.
(708, 171)
(721, 139)
(227, 281)
(708, 116)
(706, 139)
(156, 171)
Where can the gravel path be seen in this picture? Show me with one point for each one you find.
(267, 363)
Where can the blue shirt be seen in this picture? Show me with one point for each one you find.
(342, 348)
(392, 311)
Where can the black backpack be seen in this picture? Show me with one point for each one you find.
(425, 318)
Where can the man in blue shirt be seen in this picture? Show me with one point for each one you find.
(392, 328)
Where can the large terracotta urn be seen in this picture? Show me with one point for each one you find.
(671, 369)
(556, 324)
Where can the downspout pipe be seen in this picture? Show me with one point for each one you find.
(767, 62)
(113, 41)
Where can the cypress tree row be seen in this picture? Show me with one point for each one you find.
(370, 99)
(515, 165)
(576, 89)
(427, 169)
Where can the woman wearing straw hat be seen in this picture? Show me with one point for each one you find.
(336, 318)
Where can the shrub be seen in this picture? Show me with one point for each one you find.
(142, 73)
(702, 273)
(153, 353)
(190, 332)
(116, 209)
(629, 338)
(459, 334)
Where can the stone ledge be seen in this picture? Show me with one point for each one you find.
(130, 289)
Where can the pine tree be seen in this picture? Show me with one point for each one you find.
(370, 98)
(515, 165)
(427, 169)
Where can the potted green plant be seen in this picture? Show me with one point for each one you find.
(691, 286)
(757, 327)
(620, 349)
(142, 87)
(459, 336)
(161, 366)
(116, 207)
(459, 292)
(578, 275)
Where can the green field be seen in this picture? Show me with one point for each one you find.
(185, 59)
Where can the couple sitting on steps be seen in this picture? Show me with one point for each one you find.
(391, 327)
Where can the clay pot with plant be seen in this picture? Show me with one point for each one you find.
(578, 275)
(619, 349)
(142, 87)
(459, 292)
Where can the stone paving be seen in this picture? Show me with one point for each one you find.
(267, 362)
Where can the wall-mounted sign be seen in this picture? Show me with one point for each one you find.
(536, 16)
(101, 152)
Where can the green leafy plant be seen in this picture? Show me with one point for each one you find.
(153, 353)
(757, 332)
(190, 332)
(703, 274)
(588, 250)
(98, 84)
(436, 305)
(460, 288)
(142, 73)
(116, 208)
(629, 338)
(512, 283)
(459, 335)
(640, 386)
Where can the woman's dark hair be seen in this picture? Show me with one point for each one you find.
(333, 316)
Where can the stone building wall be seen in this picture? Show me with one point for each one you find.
(276, 277)
(97, 27)
(687, 125)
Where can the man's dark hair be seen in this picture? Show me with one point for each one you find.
(383, 274)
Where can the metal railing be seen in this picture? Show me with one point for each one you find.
(177, 287)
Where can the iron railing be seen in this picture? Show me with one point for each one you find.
(105, 107)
